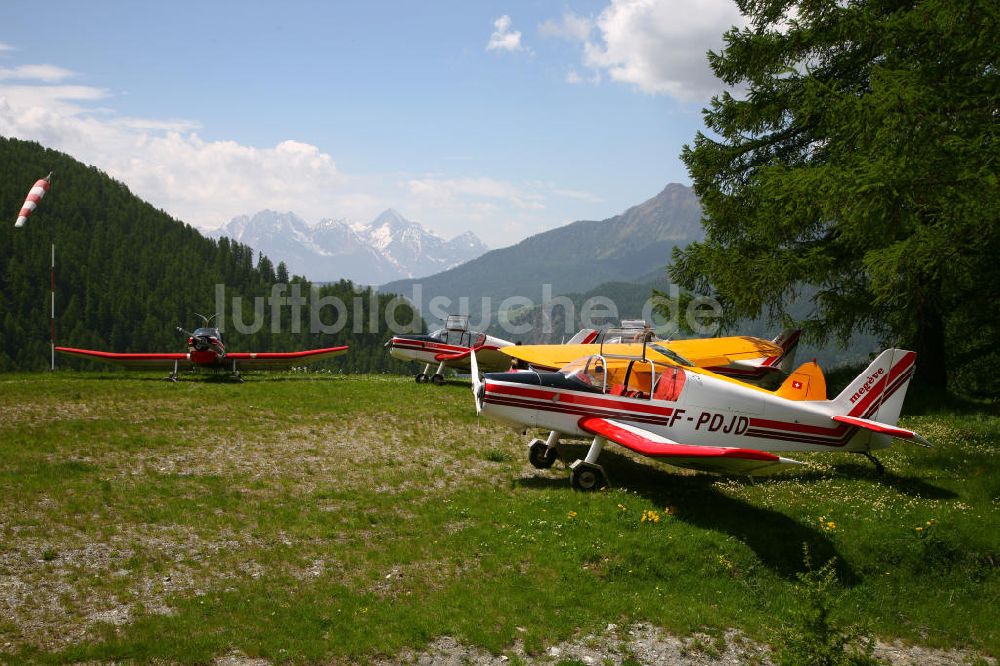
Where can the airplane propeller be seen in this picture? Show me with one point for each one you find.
(199, 342)
(477, 384)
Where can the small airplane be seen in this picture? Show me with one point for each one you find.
(206, 351)
(449, 347)
(743, 357)
(694, 418)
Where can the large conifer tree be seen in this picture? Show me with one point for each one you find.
(860, 156)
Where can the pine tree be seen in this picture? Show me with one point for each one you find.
(861, 157)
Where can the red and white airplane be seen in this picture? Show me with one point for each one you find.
(206, 351)
(450, 347)
(694, 418)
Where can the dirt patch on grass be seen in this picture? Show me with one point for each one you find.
(645, 644)
(380, 452)
(54, 591)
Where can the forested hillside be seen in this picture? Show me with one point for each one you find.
(127, 274)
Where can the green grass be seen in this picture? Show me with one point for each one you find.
(322, 517)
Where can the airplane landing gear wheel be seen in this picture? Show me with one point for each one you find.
(421, 378)
(587, 476)
(437, 379)
(540, 455)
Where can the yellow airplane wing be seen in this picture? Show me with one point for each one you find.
(703, 352)
(733, 348)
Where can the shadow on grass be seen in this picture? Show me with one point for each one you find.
(776, 538)
(905, 485)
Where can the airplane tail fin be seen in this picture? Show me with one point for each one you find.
(878, 392)
(584, 336)
(806, 383)
(873, 401)
(788, 340)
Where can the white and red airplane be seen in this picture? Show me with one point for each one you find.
(694, 418)
(450, 347)
(206, 351)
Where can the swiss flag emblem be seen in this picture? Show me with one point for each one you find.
(796, 384)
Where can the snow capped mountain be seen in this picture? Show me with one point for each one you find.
(388, 248)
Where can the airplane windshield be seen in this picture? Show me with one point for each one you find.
(459, 338)
(206, 333)
(614, 336)
(588, 370)
(672, 355)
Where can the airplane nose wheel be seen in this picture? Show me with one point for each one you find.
(587, 476)
(541, 455)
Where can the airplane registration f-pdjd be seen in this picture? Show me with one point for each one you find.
(693, 418)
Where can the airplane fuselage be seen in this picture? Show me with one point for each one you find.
(704, 410)
(432, 350)
(205, 348)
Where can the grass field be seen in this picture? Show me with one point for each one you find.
(310, 518)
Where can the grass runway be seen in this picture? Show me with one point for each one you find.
(345, 518)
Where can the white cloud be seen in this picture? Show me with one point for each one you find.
(45, 73)
(503, 38)
(166, 162)
(206, 183)
(658, 46)
(449, 192)
(571, 26)
(5, 47)
(574, 77)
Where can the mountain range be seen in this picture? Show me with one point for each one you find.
(632, 247)
(388, 248)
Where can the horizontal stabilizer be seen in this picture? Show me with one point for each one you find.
(719, 459)
(884, 429)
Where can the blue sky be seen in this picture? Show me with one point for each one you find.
(503, 118)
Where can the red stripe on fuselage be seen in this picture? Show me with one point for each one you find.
(555, 408)
(573, 398)
(420, 345)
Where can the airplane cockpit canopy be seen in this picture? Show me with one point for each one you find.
(630, 377)
(207, 333)
(613, 336)
(589, 371)
(459, 338)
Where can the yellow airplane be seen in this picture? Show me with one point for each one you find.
(741, 357)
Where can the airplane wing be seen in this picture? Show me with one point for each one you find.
(718, 459)
(706, 351)
(279, 360)
(135, 361)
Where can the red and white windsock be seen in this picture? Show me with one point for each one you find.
(35, 195)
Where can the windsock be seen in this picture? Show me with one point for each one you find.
(35, 195)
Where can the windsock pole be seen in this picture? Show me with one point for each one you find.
(31, 202)
(52, 318)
